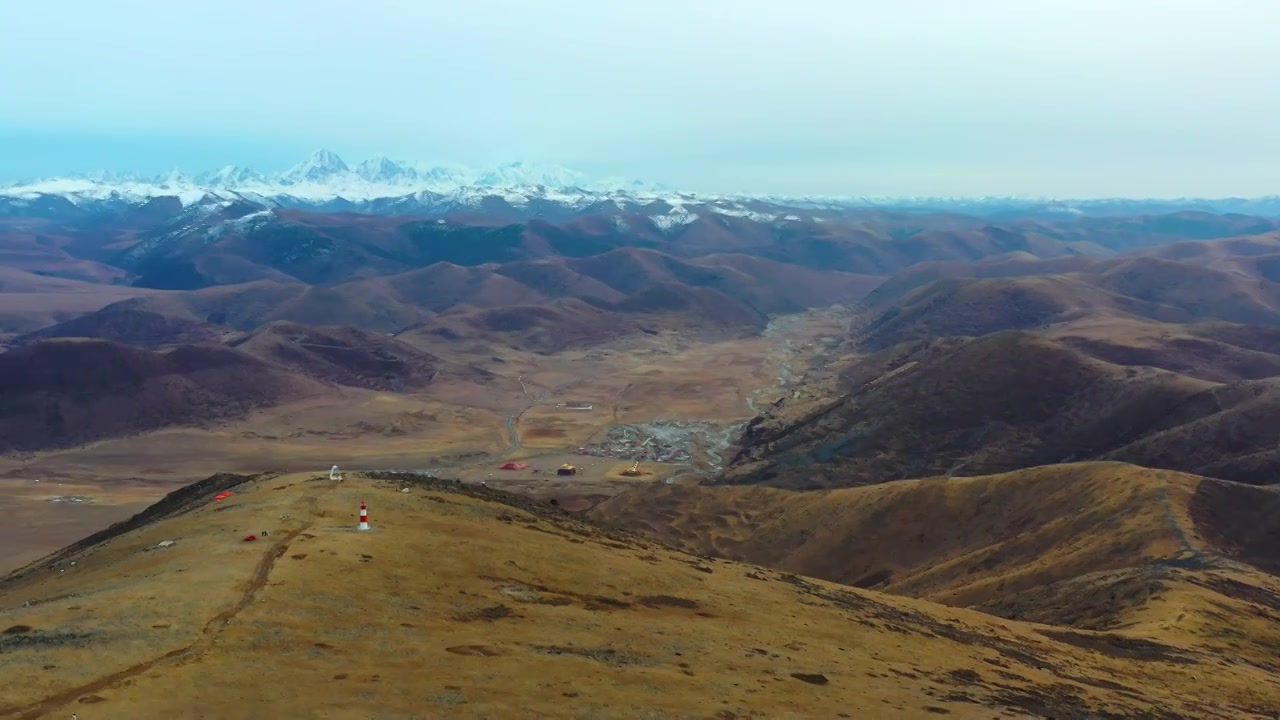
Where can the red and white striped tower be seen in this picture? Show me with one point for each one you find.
(364, 517)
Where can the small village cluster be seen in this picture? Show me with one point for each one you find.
(666, 443)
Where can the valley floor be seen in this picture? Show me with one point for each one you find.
(462, 426)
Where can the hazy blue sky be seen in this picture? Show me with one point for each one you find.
(1070, 97)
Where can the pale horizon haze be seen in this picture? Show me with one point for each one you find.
(1073, 98)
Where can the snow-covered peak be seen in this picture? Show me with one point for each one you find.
(79, 191)
(231, 176)
(629, 185)
(445, 176)
(385, 170)
(518, 174)
(175, 178)
(322, 165)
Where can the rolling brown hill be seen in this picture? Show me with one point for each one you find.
(329, 248)
(1011, 265)
(1220, 254)
(1219, 352)
(1202, 292)
(40, 247)
(766, 285)
(1256, 256)
(738, 290)
(1024, 294)
(546, 328)
(333, 247)
(341, 355)
(1006, 401)
(565, 323)
(972, 308)
(442, 286)
(58, 393)
(702, 305)
(1130, 232)
(127, 324)
(250, 305)
(1010, 363)
(574, 619)
(30, 302)
(1096, 546)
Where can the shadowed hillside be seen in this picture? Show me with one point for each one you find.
(29, 302)
(250, 305)
(570, 323)
(127, 324)
(971, 308)
(1220, 352)
(992, 404)
(57, 393)
(987, 297)
(576, 620)
(1012, 265)
(341, 355)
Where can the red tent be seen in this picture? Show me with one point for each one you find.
(514, 466)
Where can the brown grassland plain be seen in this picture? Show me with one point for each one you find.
(465, 603)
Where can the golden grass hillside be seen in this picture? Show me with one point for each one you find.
(1099, 546)
(962, 541)
(465, 603)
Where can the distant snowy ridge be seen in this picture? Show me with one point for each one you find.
(380, 185)
(325, 176)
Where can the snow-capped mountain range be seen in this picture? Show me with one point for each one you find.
(326, 177)
(381, 185)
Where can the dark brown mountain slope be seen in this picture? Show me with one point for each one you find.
(341, 355)
(971, 308)
(250, 305)
(57, 393)
(988, 297)
(1006, 401)
(129, 325)
(570, 322)
(544, 328)
(1202, 292)
(1012, 265)
(766, 285)
(1219, 352)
